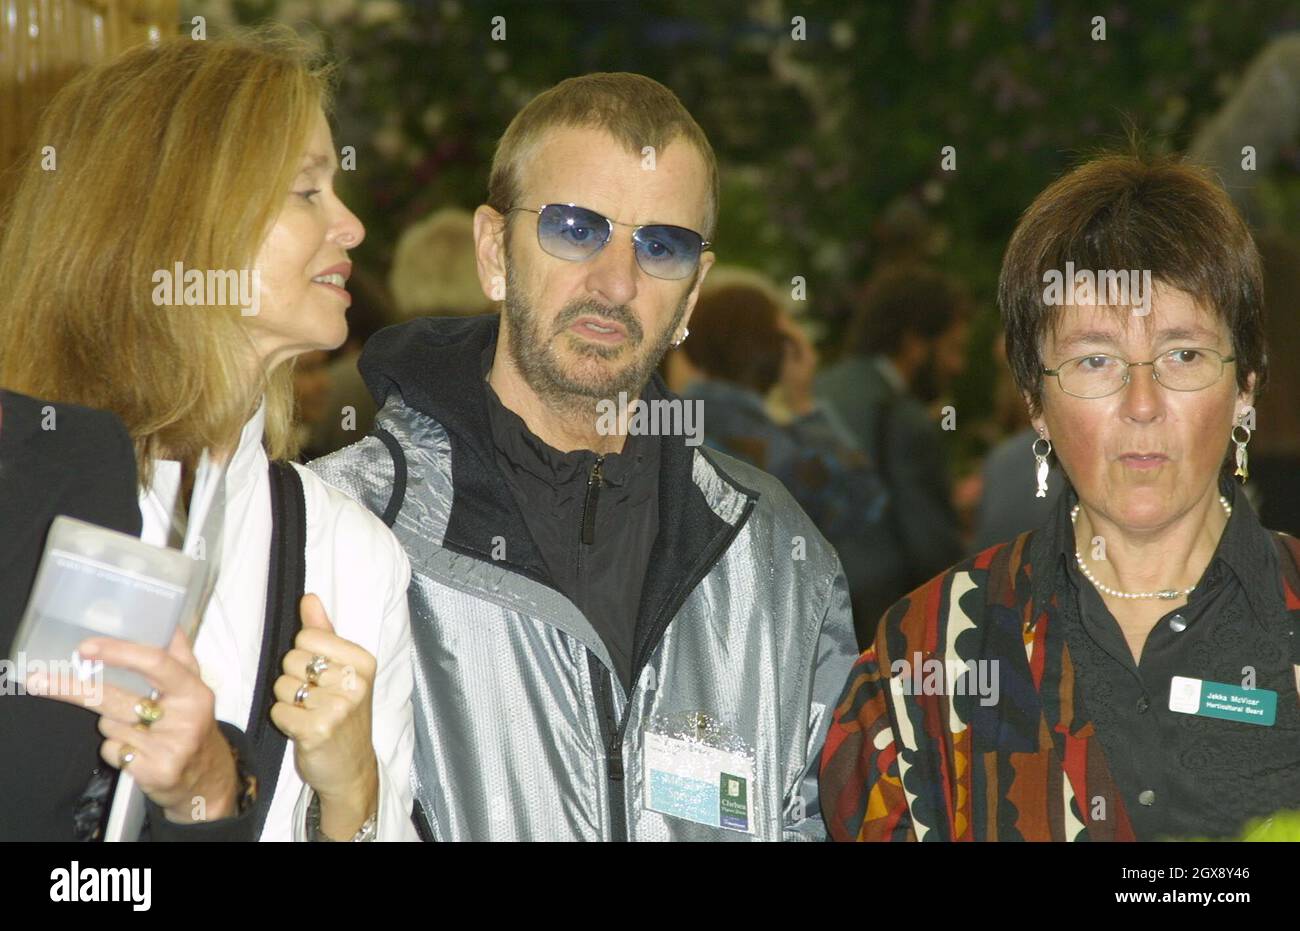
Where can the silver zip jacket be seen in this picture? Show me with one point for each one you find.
(522, 733)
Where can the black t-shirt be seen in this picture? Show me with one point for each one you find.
(54, 459)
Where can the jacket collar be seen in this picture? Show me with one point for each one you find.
(527, 451)
(435, 366)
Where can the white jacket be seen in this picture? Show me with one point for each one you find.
(360, 573)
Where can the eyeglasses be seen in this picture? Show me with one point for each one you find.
(1099, 375)
(575, 233)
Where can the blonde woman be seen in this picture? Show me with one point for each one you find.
(215, 158)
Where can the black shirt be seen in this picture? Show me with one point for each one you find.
(1185, 776)
(603, 574)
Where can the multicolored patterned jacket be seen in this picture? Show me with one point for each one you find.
(899, 766)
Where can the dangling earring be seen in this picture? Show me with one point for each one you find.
(1041, 459)
(685, 333)
(1242, 471)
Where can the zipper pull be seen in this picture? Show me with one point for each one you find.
(615, 757)
(589, 505)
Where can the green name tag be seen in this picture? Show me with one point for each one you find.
(1220, 700)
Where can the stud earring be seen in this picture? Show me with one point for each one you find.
(685, 333)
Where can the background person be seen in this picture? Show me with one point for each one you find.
(742, 345)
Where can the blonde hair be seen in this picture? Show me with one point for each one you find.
(636, 110)
(183, 152)
(434, 270)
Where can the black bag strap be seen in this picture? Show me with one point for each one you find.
(285, 585)
(389, 516)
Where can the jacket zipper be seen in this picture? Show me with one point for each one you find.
(605, 689)
(589, 505)
(602, 683)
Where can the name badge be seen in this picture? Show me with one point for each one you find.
(1223, 701)
(696, 782)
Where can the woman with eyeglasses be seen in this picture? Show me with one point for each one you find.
(188, 246)
(1125, 671)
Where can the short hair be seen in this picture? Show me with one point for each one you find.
(735, 336)
(1157, 213)
(183, 152)
(901, 299)
(434, 268)
(636, 110)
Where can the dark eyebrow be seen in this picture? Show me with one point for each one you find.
(1194, 332)
(1094, 337)
(1086, 336)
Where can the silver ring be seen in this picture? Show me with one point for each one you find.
(300, 696)
(1045, 453)
(315, 668)
(1237, 427)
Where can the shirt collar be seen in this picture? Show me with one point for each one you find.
(1245, 549)
(249, 460)
(890, 373)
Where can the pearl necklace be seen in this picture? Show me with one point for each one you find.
(1167, 594)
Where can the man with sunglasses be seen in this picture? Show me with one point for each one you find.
(617, 636)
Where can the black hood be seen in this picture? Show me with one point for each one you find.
(434, 363)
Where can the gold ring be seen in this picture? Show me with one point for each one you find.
(315, 668)
(148, 711)
(125, 756)
(300, 696)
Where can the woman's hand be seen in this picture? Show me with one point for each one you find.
(329, 721)
(181, 760)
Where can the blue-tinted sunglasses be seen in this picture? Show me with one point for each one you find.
(575, 233)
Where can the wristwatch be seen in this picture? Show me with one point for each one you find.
(367, 831)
